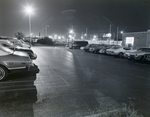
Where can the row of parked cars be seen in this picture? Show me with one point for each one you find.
(141, 54)
(15, 56)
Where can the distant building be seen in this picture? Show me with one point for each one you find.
(136, 39)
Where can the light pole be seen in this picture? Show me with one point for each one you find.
(46, 29)
(29, 11)
(85, 33)
(117, 34)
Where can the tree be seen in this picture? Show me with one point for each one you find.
(19, 35)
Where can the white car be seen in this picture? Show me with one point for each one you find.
(119, 51)
(142, 54)
(13, 61)
(8, 44)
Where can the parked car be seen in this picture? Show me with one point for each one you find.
(13, 61)
(91, 48)
(77, 44)
(104, 48)
(8, 44)
(142, 54)
(46, 41)
(120, 51)
(97, 48)
(110, 51)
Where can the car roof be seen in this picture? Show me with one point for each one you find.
(145, 48)
(80, 41)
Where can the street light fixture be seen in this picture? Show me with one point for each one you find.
(46, 29)
(121, 32)
(71, 31)
(29, 11)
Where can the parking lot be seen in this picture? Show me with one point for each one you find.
(72, 82)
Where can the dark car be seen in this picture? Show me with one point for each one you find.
(91, 49)
(78, 44)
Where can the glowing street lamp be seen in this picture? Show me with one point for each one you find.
(29, 11)
(94, 36)
(71, 31)
(121, 32)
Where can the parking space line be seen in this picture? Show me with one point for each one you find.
(62, 78)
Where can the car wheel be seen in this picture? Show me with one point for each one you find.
(3, 73)
(96, 51)
(120, 55)
(142, 60)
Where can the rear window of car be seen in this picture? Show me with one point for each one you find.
(146, 50)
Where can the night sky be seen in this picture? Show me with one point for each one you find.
(61, 15)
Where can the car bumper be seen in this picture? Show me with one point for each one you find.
(34, 56)
(32, 68)
(133, 57)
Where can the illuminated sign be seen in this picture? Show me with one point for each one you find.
(129, 40)
(107, 35)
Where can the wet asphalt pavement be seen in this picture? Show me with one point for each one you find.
(73, 83)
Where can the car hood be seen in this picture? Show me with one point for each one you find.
(113, 49)
(22, 48)
(18, 53)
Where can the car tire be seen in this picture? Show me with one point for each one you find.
(120, 55)
(3, 73)
(142, 60)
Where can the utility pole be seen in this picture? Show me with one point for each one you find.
(46, 29)
(86, 33)
(117, 34)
